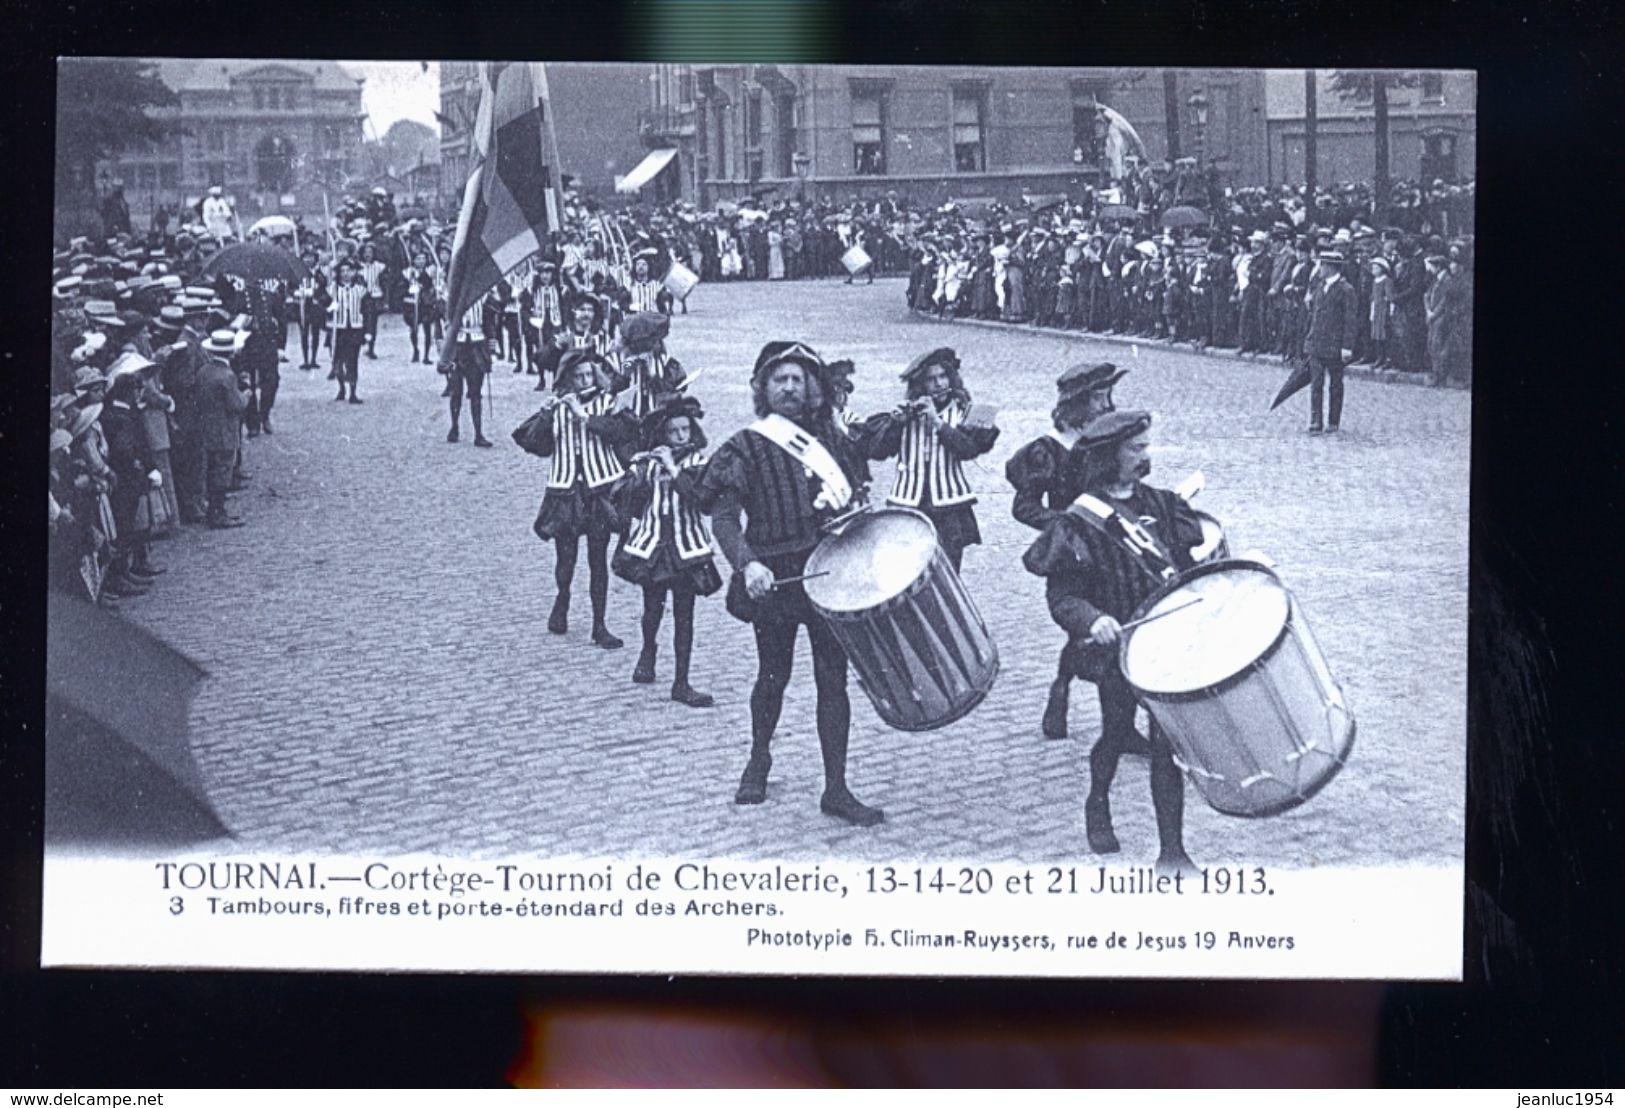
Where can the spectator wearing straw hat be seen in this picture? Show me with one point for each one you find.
(1334, 324)
(222, 398)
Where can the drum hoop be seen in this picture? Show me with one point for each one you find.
(908, 591)
(1224, 684)
(1297, 799)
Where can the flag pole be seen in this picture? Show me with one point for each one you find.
(550, 134)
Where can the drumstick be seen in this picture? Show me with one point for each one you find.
(1158, 615)
(803, 577)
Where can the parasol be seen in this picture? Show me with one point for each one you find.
(273, 225)
(1184, 217)
(256, 261)
(119, 766)
(1293, 385)
(1117, 211)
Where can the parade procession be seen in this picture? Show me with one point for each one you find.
(1102, 598)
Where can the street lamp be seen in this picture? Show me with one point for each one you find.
(1198, 102)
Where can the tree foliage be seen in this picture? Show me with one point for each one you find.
(1372, 85)
(104, 106)
(1359, 85)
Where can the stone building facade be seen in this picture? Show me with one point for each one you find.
(274, 134)
(938, 133)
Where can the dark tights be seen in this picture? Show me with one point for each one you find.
(1117, 737)
(682, 633)
(775, 654)
(564, 571)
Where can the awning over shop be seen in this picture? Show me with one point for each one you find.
(647, 170)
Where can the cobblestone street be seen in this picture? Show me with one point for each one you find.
(382, 680)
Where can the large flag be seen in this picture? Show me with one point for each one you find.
(511, 201)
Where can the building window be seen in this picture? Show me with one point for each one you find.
(214, 139)
(970, 114)
(169, 177)
(753, 120)
(147, 178)
(719, 154)
(1433, 88)
(702, 143)
(259, 98)
(868, 131)
(216, 172)
(685, 86)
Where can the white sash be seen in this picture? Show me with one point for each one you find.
(1129, 533)
(800, 445)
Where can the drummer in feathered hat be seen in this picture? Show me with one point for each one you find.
(932, 434)
(582, 429)
(667, 547)
(787, 474)
(1117, 544)
(1042, 481)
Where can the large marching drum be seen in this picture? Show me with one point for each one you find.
(1227, 666)
(916, 641)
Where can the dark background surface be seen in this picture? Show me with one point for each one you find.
(1544, 1006)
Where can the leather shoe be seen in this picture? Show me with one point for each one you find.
(684, 693)
(453, 435)
(147, 569)
(601, 637)
(644, 672)
(224, 522)
(753, 782)
(481, 440)
(1175, 860)
(1097, 825)
(354, 399)
(559, 622)
(843, 805)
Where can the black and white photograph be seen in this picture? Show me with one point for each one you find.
(771, 518)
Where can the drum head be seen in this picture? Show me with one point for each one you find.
(874, 558)
(1242, 611)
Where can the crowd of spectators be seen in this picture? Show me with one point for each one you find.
(1170, 273)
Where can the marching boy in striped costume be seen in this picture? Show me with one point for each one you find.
(372, 277)
(931, 438)
(348, 321)
(581, 438)
(469, 366)
(668, 547)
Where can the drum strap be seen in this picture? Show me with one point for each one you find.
(812, 454)
(1127, 533)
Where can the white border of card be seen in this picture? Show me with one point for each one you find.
(229, 904)
(718, 917)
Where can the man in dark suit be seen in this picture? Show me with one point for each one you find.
(1334, 321)
(222, 395)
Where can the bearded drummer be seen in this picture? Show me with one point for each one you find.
(1117, 544)
(788, 474)
(932, 436)
(1038, 473)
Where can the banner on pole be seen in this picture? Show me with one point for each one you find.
(510, 202)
